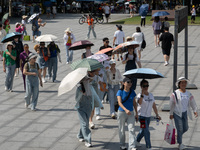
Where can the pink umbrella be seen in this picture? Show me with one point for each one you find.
(80, 45)
(121, 47)
(104, 51)
(99, 57)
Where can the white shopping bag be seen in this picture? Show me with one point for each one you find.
(170, 133)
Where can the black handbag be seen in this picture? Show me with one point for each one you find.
(116, 105)
(143, 45)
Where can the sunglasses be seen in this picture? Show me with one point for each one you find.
(107, 41)
(128, 82)
(145, 86)
(114, 76)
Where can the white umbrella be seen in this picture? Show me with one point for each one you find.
(71, 80)
(32, 17)
(126, 3)
(47, 38)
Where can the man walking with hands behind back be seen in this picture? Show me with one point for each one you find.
(167, 40)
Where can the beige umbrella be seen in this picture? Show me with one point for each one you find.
(47, 38)
(71, 80)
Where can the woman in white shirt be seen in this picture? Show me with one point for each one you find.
(139, 37)
(114, 78)
(146, 102)
(180, 102)
(69, 39)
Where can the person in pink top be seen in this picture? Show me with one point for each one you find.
(19, 28)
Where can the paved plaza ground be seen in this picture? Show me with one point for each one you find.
(54, 126)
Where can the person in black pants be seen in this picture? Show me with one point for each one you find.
(143, 20)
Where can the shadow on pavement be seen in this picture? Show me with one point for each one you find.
(56, 109)
(162, 98)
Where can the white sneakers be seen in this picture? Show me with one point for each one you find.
(181, 146)
(92, 126)
(113, 116)
(88, 144)
(81, 140)
(166, 63)
(43, 80)
(98, 117)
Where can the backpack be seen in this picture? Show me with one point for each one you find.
(162, 27)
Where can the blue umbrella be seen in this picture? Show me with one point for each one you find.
(160, 13)
(11, 36)
(143, 73)
(144, 9)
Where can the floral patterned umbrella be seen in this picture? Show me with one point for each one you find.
(99, 57)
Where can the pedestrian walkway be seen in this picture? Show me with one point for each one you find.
(54, 126)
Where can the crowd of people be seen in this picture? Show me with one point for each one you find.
(98, 83)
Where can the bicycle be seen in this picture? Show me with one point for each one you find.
(83, 19)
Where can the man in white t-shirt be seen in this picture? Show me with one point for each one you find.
(119, 38)
(107, 12)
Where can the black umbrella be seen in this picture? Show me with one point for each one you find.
(143, 73)
(11, 37)
(80, 45)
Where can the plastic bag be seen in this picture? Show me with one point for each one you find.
(170, 133)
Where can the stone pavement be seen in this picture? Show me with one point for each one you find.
(55, 124)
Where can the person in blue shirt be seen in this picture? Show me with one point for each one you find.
(126, 114)
(53, 60)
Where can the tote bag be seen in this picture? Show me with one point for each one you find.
(170, 133)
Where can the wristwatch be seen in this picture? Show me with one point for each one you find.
(141, 96)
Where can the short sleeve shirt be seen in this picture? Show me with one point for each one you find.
(129, 103)
(9, 60)
(147, 103)
(119, 37)
(166, 39)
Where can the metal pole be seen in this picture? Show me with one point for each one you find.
(175, 50)
(186, 50)
(10, 7)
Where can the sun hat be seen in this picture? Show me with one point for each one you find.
(112, 61)
(17, 24)
(24, 16)
(181, 79)
(31, 55)
(126, 79)
(129, 38)
(10, 43)
(68, 30)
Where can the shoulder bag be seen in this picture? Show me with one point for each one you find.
(143, 45)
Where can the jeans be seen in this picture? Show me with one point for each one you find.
(130, 120)
(112, 91)
(24, 32)
(32, 89)
(100, 94)
(84, 112)
(52, 64)
(181, 125)
(144, 132)
(89, 29)
(10, 72)
(69, 54)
